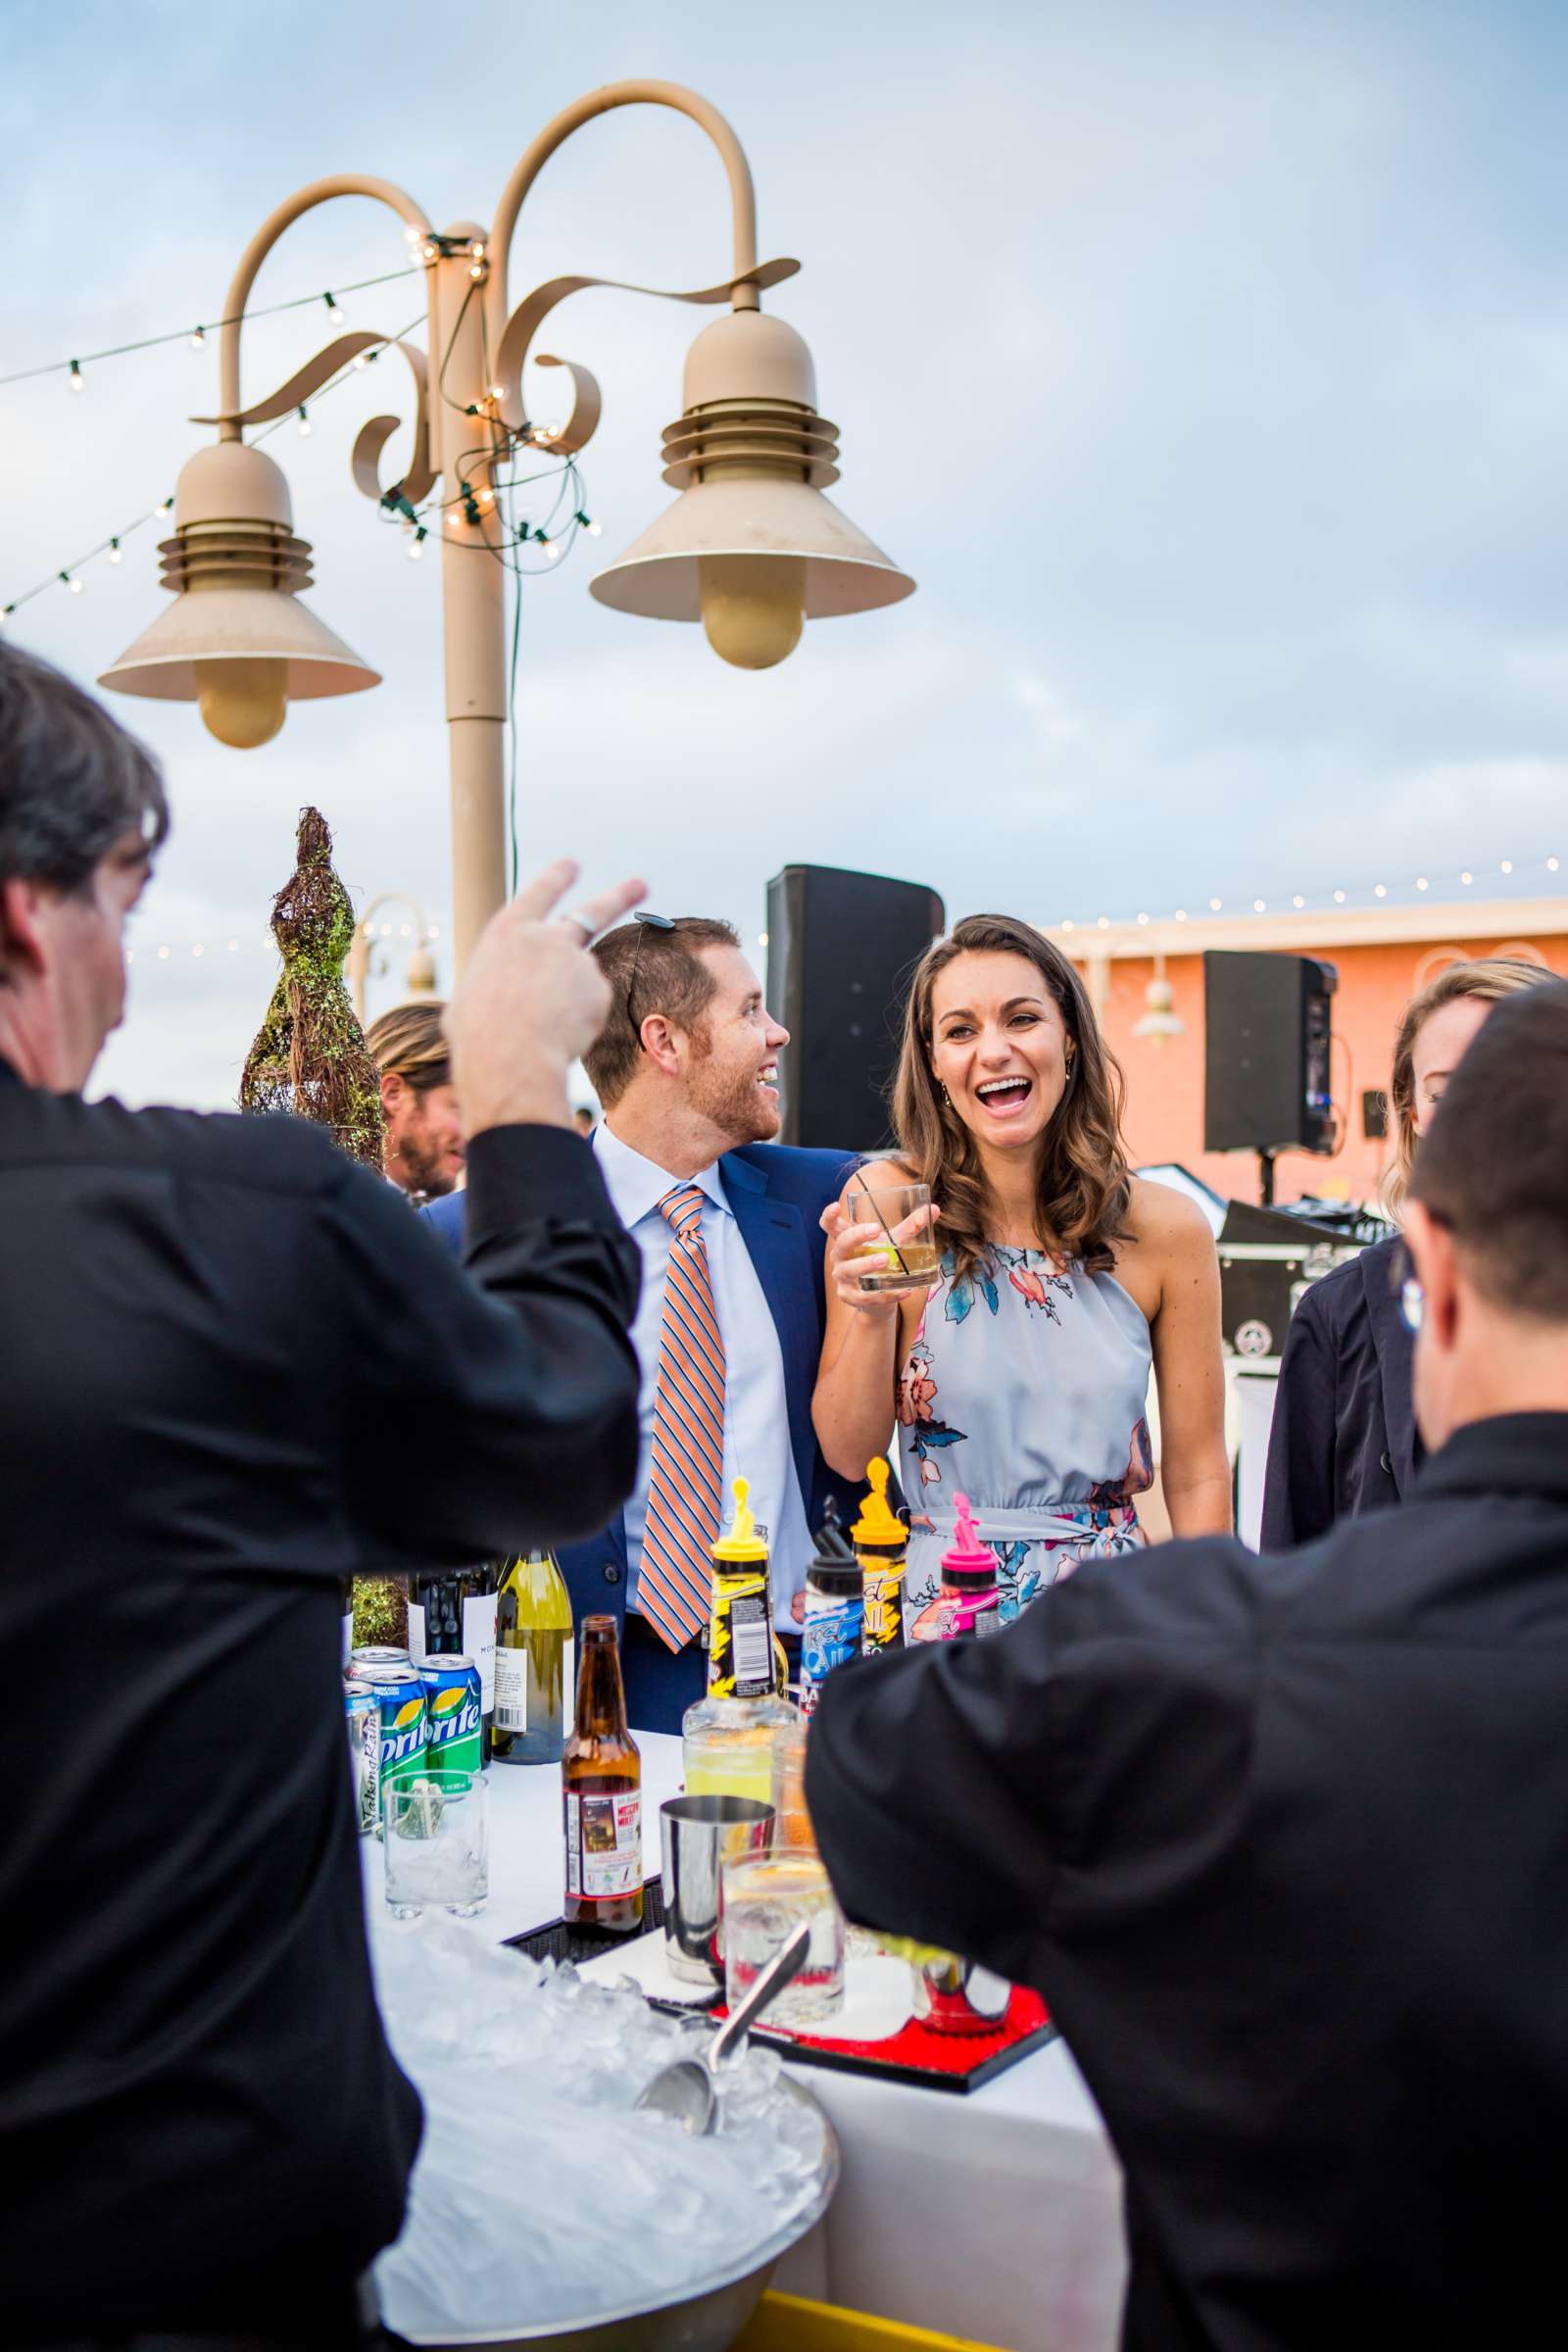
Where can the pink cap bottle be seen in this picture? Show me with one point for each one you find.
(971, 1581)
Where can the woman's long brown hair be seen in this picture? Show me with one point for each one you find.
(1085, 1188)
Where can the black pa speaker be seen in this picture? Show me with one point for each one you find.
(841, 950)
(1266, 1027)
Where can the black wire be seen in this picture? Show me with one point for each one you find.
(117, 351)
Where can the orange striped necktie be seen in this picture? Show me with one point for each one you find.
(686, 1466)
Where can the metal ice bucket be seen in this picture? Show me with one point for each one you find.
(706, 2317)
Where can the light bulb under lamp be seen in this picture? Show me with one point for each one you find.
(754, 607)
(242, 703)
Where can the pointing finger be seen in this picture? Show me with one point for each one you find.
(599, 913)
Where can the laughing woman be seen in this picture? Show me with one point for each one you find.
(1020, 1376)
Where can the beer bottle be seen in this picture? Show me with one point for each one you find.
(534, 1680)
(601, 1776)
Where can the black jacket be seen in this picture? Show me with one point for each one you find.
(234, 1369)
(1282, 1843)
(1344, 1438)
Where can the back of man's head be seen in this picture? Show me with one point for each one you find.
(651, 969)
(1493, 1170)
(410, 1043)
(74, 784)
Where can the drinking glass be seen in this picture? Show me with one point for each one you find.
(905, 1242)
(766, 1896)
(437, 1855)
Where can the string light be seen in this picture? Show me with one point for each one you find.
(417, 543)
(1380, 890)
(117, 554)
(1552, 865)
(1339, 897)
(1298, 901)
(305, 422)
(334, 307)
(1214, 905)
(197, 336)
(72, 582)
(1507, 866)
(166, 509)
(1420, 881)
(1142, 918)
(1181, 914)
(1260, 907)
(1467, 879)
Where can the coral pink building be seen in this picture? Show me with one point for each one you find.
(1383, 956)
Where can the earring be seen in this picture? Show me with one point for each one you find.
(946, 1097)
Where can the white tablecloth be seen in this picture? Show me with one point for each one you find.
(995, 2216)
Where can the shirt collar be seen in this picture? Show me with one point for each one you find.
(637, 1185)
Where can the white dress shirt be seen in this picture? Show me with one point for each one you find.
(757, 1422)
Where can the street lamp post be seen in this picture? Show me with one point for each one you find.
(750, 546)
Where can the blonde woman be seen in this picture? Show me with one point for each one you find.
(1020, 1376)
(1344, 1438)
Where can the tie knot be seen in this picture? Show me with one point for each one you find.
(683, 1210)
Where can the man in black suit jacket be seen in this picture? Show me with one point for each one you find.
(1282, 1840)
(233, 1371)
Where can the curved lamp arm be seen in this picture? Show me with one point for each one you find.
(304, 200)
(743, 196)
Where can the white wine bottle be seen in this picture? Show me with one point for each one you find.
(535, 1663)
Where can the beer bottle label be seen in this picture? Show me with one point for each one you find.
(604, 1844)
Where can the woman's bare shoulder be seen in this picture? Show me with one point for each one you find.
(1166, 1222)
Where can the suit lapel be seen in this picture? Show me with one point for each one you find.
(776, 1240)
(1391, 1338)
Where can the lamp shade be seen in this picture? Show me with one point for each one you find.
(845, 571)
(235, 568)
(751, 458)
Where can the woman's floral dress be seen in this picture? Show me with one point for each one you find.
(1025, 1389)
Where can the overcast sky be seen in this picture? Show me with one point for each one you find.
(1207, 365)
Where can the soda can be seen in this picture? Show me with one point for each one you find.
(405, 1724)
(361, 1660)
(453, 1694)
(363, 1709)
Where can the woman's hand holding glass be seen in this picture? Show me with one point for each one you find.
(864, 1256)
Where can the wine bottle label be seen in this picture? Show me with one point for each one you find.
(604, 1844)
(511, 1688)
(479, 1644)
(416, 1650)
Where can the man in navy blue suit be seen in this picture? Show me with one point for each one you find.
(730, 1329)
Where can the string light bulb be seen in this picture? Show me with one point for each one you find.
(1421, 882)
(552, 550)
(417, 543)
(1214, 905)
(477, 249)
(1467, 879)
(305, 422)
(117, 554)
(431, 253)
(1298, 901)
(1552, 865)
(1339, 897)
(1507, 866)
(361, 359)
(198, 338)
(1260, 907)
(1181, 914)
(334, 307)
(1380, 890)
(78, 382)
(72, 582)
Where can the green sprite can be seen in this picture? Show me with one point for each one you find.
(452, 1697)
(405, 1723)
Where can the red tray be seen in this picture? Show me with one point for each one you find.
(958, 2062)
